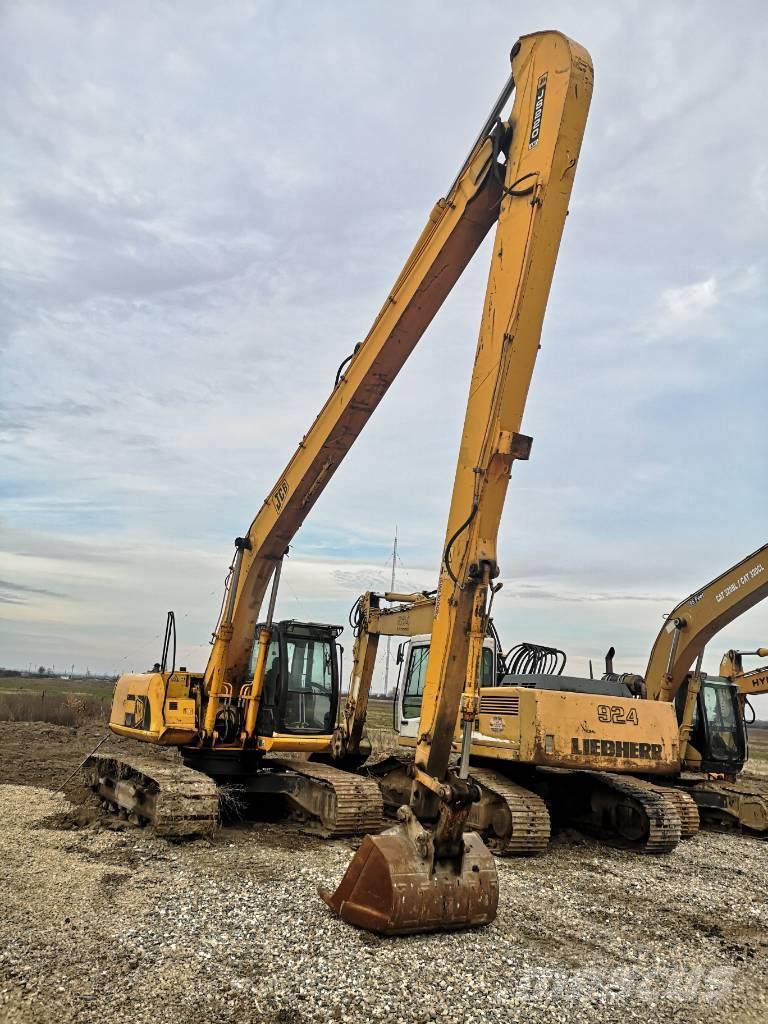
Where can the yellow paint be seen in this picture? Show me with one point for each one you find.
(539, 174)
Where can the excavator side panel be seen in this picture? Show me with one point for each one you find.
(561, 729)
(154, 707)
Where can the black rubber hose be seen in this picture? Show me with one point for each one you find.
(356, 617)
(514, 191)
(344, 363)
(454, 538)
(534, 659)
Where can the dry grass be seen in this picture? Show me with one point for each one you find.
(758, 744)
(383, 741)
(71, 709)
(379, 715)
(75, 709)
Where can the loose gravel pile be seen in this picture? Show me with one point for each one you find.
(114, 925)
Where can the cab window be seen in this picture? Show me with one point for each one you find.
(414, 681)
(486, 668)
(270, 690)
(724, 739)
(309, 697)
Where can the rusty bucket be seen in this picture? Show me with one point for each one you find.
(396, 886)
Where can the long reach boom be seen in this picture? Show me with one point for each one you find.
(402, 881)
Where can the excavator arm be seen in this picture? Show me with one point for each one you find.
(752, 682)
(410, 615)
(456, 227)
(403, 882)
(686, 632)
(554, 84)
(688, 629)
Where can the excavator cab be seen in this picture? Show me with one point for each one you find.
(300, 694)
(718, 732)
(412, 657)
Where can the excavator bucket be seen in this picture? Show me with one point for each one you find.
(395, 886)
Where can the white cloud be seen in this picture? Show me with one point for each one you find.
(700, 309)
(690, 302)
(198, 226)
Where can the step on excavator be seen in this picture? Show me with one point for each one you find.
(270, 687)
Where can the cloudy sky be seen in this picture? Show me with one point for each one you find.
(203, 208)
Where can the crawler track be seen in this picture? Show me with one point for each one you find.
(741, 805)
(337, 803)
(627, 811)
(179, 801)
(175, 800)
(684, 805)
(511, 819)
(518, 819)
(690, 821)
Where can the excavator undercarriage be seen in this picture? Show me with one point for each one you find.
(739, 804)
(179, 801)
(176, 801)
(517, 810)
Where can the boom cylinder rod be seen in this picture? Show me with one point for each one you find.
(238, 564)
(691, 697)
(485, 131)
(221, 641)
(273, 592)
(466, 744)
(265, 637)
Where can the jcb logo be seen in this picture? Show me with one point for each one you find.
(279, 496)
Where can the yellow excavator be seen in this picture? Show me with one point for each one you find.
(272, 688)
(545, 740)
(711, 709)
(532, 747)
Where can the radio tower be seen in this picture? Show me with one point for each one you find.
(389, 638)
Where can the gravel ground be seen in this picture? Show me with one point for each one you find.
(113, 924)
